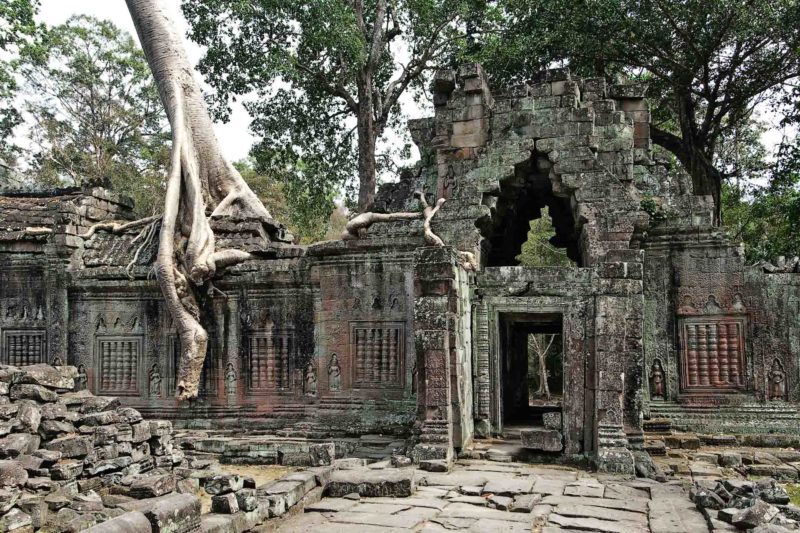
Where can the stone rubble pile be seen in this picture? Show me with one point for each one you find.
(746, 505)
(69, 459)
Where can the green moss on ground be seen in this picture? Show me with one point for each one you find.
(794, 493)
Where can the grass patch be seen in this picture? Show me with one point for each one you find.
(794, 493)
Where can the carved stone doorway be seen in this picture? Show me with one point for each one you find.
(530, 381)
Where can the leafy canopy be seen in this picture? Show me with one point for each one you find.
(707, 63)
(327, 77)
(98, 118)
(17, 27)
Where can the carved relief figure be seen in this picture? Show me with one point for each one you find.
(777, 381)
(57, 361)
(311, 380)
(334, 374)
(414, 378)
(83, 378)
(155, 381)
(712, 307)
(230, 379)
(657, 380)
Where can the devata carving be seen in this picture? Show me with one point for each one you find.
(230, 379)
(334, 374)
(777, 381)
(311, 380)
(657, 380)
(155, 381)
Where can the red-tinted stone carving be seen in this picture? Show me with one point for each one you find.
(377, 351)
(711, 353)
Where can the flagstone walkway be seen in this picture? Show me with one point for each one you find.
(487, 497)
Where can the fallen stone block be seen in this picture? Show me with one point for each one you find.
(308, 479)
(102, 418)
(18, 443)
(54, 377)
(760, 513)
(223, 484)
(32, 392)
(542, 439)
(174, 513)
(281, 495)
(131, 522)
(247, 499)
(8, 498)
(152, 486)
(66, 469)
(71, 445)
(36, 508)
(12, 474)
(371, 483)
(15, 520)
(225, 504)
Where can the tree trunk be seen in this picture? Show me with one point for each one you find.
(200, 179)
(367, 134)
(691, 152)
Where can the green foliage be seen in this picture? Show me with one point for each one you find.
(707, 63)
(98, 118)
(16, 30)
(323, 224)
(766, 218)
(651, 207)
(327, 76)
(537, 250)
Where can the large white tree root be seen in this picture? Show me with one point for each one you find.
(357, 227)
(199, 177)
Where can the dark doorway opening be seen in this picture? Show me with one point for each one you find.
(525, 197)
(532, 377)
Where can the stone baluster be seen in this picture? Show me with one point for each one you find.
(691, 355)
(713, 355)
(736, 359)
(724, 376)
(393, 343)
(702, 354)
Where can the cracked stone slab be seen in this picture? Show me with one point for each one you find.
(636, 506)
(603, 513)
(601, 526)
(509, 486)
(465, 510)
(489, 525)
(375, 519)
(432, 503)
(549, 486)
(379, 508)
(585, 488)
(330, 505)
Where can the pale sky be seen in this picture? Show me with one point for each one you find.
(234, 136)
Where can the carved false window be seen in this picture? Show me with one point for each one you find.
(24, 347)
(377, 353)
(118, 364)
(270, 361)
(712, 353)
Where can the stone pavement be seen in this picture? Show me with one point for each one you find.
(485, 497)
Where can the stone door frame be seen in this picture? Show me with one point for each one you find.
(573, 400)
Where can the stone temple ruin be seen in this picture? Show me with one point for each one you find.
(659, 322)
